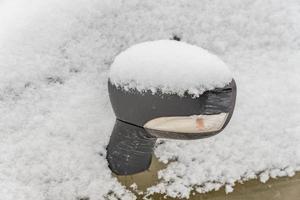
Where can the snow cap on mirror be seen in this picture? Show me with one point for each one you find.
(170, 66)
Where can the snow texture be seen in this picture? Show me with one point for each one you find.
(169, 66)
(56, 117)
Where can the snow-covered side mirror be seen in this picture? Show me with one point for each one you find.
(165, 89)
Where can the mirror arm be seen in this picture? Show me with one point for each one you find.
(130, 149)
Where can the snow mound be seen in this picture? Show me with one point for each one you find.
(171, 66)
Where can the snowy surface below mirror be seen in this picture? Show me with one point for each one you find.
(56, 118)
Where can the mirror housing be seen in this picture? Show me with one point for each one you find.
(131, 143)
(138, 108)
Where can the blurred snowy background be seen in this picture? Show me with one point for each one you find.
(56, 118)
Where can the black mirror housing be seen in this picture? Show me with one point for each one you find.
(138, 108)
(131, 143)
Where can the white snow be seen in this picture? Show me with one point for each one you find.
(55, 113)
(170, 66)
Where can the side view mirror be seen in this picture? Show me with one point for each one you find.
(142, 116)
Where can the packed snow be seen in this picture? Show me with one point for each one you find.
(56, 117)
(169, 66)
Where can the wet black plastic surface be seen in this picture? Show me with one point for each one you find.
(138, 108)
(130, 149)
(131, 146)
